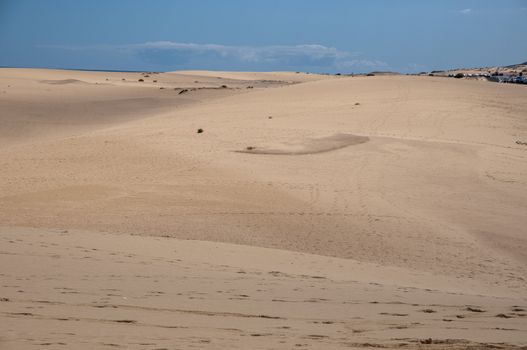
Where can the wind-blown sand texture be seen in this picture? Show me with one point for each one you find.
(384, 211)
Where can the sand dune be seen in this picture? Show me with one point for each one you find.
(429, 213)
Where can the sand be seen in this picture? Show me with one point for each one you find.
(369, 200)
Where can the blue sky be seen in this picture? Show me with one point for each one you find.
(298, 35)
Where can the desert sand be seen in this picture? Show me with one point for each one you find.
(312, 211)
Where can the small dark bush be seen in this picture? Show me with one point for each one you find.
(428, 311)
(183, 91)
(141, 80)
(155, 81)
(224, 86)
(200, 131)
(370, 75)
(459, 75)
(474, 309)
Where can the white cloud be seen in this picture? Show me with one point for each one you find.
(466, 11)
(272, 56)
(305, 54)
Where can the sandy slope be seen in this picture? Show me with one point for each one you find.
(40, 103)
(86, 290)
(435, 190)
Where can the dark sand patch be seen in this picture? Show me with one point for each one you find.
(63, 81)
(310, 146)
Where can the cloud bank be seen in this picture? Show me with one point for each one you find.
(176, 55)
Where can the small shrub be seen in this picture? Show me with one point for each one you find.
(200, 130)
(224, 86)
(474, 309)
(141, 80)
